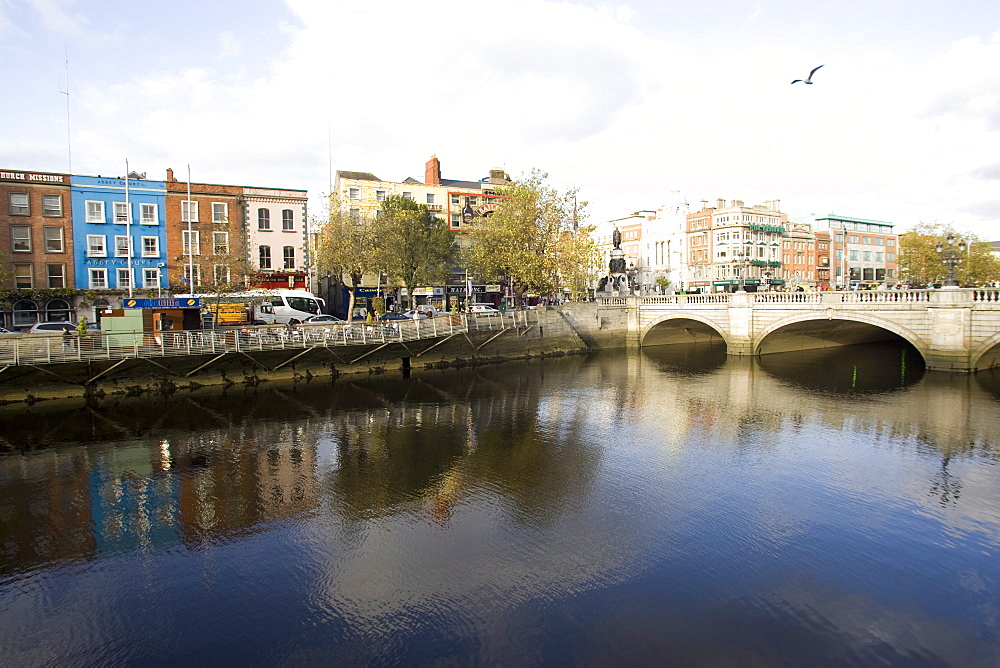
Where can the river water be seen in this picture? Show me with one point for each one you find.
(669, 506)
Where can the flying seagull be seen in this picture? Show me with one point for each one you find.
(808, 79)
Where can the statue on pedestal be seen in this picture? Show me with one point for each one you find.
(617, 280)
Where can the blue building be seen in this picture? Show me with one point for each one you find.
(108, 253)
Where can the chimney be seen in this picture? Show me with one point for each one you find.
(432, 172)
(774, 205)
(720, 204)
(498, 176)
(170, 174)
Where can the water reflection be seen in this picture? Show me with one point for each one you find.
(625, 504)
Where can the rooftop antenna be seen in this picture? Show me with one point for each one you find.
(69, 143)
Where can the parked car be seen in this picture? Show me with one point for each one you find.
(413, 314)
(393, 316)
(52, 327)
(483, 308)
(6, 331)
(321, 318)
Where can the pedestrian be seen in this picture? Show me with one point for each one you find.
(67, 340)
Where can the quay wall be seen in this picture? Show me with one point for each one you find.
(568, 329)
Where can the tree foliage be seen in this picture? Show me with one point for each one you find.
(533, 238)
(346, 248)
(414, 247)
(920, 263)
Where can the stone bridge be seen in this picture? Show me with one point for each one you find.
(954, 329)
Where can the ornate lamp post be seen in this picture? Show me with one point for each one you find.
(951, 258)
(741, 263)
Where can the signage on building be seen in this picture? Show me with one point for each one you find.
(492, 288)
(487, 208)
(162, 303)
(27, 176)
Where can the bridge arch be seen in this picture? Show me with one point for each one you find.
(670, 328)
(987, 354)
(846, 333)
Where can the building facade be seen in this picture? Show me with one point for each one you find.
(864, 253)
(205, 235)
(119, 228)
(277, 237)
(36, 245)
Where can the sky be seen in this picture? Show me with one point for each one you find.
(627, 102)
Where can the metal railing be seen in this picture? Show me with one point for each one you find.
(25, 349)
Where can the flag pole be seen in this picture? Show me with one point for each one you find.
(128, 233)
(190, 236)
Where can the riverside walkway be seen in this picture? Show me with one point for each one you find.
(48, 349)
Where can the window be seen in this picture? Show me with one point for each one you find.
(890, 242)
(840, 254)
(220, 212)
(20, 238)
(265, 257)
(95, 212)
(287, 220)
(98, 279)
(55, 275)
(354, 215)
(147, 214)
(878, 257)
(19, 204)
(196, 280)
(263, 219)
(190, 241)
(23, 276)
(354, 193)
(890, 257)
(52, 205)
(867, 240)
(150, 278)
(123, 246)
(854, 255)
(95, 246)
(380, 195)
(879, 241)
(430, 198)
(456, 220)
(407, 195)
(121, 212)
(53, 239)
(220, 243)
(124, 278)
(222, 274)
(854, 238)
(189, 211)
(866, 256)
(288, 253)
(455, 200)
(150, 247)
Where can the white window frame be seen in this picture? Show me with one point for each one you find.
(150, 246)
(380, 195)
(197, 274)
(407, 195)
(151, 278)
(284, 257)
(226, 274)
(61, 238)
(48, 275)
(123, 249)
(430, 198)
(24, 281)
(123, 273)
(51, 212)
(146, 207)
(260, 257)
(97, 278)
(190, 239)
(97, 249)
(289, 220)
(187, 210)
(220, 212)
(353, 193)
(25, 239)
(121, 210)
(25, 204)
(217, 248)
(263, 222)
(95, 211)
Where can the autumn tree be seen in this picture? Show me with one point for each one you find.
(347, 249)
(414, 247)
(920, 263)
(532, 238)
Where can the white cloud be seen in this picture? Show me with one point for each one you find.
(229, 46)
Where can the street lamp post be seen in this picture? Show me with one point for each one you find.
(742, 262)
(951, 258)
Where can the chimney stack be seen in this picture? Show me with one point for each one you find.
(432, 172)
(720, 204)
(170, 174)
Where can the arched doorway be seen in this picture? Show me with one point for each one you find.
(100, 306)
(25, 314)
(58, 309)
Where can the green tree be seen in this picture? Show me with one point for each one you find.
(920, 263)
(414, 246)
(533, 238)
(347, 249)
